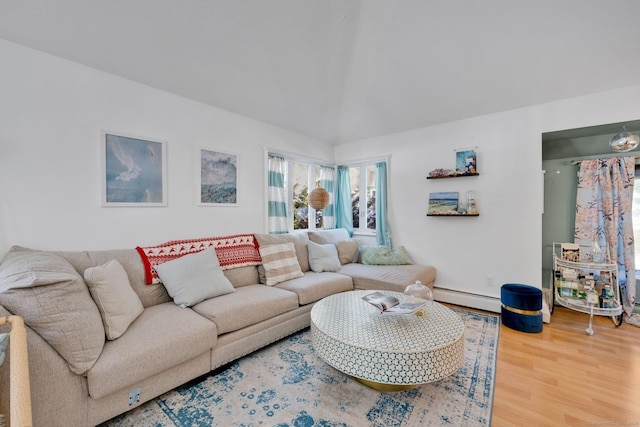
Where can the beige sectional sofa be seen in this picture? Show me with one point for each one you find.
(87, 367)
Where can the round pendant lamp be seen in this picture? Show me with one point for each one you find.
(624, 141)
(319, 198)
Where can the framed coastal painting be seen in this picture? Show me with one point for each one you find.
(443, 203)
(134, 171)
(218, 178)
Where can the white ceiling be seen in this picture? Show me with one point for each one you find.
(341, 70)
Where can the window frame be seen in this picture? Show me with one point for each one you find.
(363, 165)
(312, 171)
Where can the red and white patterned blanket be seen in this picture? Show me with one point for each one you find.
(233, 251)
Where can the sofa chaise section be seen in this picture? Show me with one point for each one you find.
(388, 277)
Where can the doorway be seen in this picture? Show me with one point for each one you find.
(560, 151)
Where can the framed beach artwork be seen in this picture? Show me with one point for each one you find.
(134, 171)
(443, 203)
(218, 178)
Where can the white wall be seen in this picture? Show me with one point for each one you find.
(52, 112)
(476, 255)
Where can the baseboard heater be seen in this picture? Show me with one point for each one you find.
(467, 299)
(480, 302)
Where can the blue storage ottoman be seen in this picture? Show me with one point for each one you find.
(521, 307)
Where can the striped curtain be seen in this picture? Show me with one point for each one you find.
(344, 210)
(327, 182)
(277, 196)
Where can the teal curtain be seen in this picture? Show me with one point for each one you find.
(277, 196)
(344, 211)
(326, 182)
(382, 224)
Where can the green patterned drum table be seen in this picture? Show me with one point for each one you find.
(388, 352)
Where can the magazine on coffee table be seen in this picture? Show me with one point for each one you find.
(392, 305)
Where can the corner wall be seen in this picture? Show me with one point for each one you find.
(52, 112)
(474, 256)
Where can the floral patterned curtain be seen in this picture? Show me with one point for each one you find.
(604, 212)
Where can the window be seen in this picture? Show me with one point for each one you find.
(291, 181)
(300, 178)
(363, 197)
(300, 190)
(304, 179)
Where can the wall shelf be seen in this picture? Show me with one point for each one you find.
(453, 176)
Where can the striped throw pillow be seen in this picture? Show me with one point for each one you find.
(280, 263)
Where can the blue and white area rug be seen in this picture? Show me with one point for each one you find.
(287, 385)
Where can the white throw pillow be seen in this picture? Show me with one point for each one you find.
(193, 278)
(323, 257)
(280, 263)
(118, 303)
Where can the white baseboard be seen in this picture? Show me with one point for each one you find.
(465, 299)
(480, 302)
(546, 314)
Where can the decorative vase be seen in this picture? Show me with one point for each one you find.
(471, 202)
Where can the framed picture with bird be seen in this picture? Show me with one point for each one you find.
(134, 171)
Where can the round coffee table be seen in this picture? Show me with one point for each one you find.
(383, 351)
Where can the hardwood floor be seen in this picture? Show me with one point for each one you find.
(564, 377)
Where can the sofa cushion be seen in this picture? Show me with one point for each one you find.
(243, 276)
(193, 278)
(315, 286)
(54, 301)
(131, 262)
(247, 306)
(162, 337)
(299, 240)
(328, 236)
(323, 257)
(388, 277)
(280, 263)
(348, 251)
(234, 251)
(383, 255)
(118, 303)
